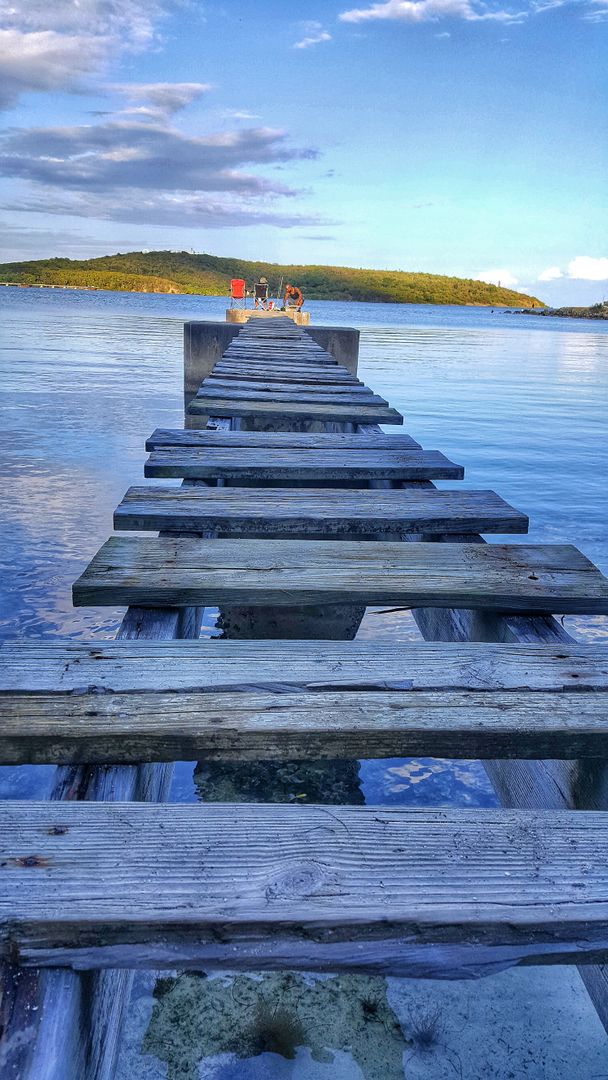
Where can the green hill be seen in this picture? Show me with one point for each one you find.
(209, 275)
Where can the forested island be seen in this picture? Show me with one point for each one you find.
(209, 275)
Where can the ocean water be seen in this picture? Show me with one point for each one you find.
(521, 402)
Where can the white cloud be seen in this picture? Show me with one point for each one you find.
(172, 209)
(430, 11)
(59, 44)
(119, 154)
(149, 172)
(238, 114)
(165, 99)
(586, 268)
(552, 273)
(497, 277)
(313, 34)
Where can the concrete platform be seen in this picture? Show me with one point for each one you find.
(242, 315)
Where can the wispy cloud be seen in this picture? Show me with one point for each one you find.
(129, 153)
(162, 100)
(61, 44)
(416, 11)
(148, 171)
(167, 209)
(312, 33)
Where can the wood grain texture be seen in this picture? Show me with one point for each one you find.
(313, 394)
(161, 572)
(279, 440)
(277, 388)
(100, 667)
(321, 411)
(271, 722)
(305, 374)
(127, 884)
(331, 512)
(300, 464)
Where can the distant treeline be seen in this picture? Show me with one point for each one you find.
(209, 275)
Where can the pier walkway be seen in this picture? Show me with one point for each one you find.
(295, 513)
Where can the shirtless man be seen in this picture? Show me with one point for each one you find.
(293, 297)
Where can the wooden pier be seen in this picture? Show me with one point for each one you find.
(296, 512)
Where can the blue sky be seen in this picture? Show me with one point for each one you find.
(465, 137)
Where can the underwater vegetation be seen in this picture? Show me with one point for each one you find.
(196, 1018)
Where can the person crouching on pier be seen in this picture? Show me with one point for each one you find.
(293, 297)
(260, 294)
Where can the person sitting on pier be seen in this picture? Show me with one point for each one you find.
(260, 293)
(293, 297)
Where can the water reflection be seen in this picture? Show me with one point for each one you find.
(522, 403)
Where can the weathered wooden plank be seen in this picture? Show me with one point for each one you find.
(54, 1026)
(129, 884)
(261, 373)
(310, 394)
(279, 440)
(530, 784)
(80, 667)
(159, 572)
(261, 723)
(322, 411)
(300, 464)
(286, 390)
(323, 511)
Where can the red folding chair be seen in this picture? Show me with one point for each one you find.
(237, 291)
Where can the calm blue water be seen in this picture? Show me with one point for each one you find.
(520, 401)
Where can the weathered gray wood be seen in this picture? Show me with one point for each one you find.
(82, 667)
(288, 391)
(278, 440)
(300, 464)
(54, 1026)
(322, 411)
(132, 884)
(282, 720)
(294, 396)
(530, 784)
(182, 572)
(260, 374)
(312, 511)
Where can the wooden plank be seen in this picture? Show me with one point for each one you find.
(258, 725)
(67, 667)
(326, 511)
(300, 464)
(530, 784)
(55, 1027)
(275, 386)
(310, 394)
(242, 886)
(309, 373)
(160, 572)
(324, 412)
(120, 702)
(279, 440)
